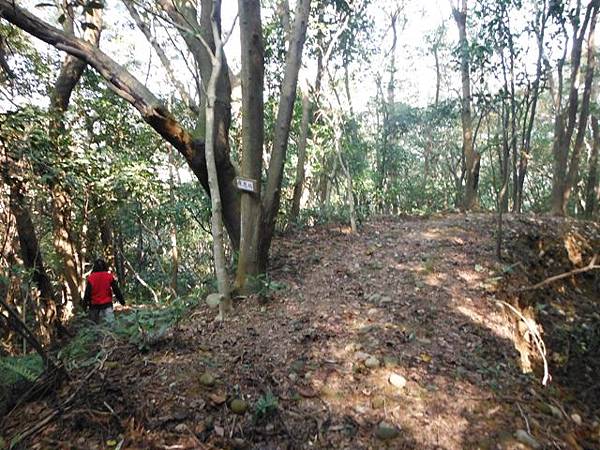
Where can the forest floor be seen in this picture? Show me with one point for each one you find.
(392, 338)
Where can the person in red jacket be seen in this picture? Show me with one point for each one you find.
(98, 297)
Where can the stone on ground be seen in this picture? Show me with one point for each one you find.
(386, 431)
(213, 300)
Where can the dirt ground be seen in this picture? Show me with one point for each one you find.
(392, 338)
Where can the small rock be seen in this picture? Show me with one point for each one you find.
(181, 428)
(263, 309)
(361, 356)
(385, 300)
(239, 444)
(180, 413)
(293, 377)
(377, 402)
(360, 410)
(206, 379)
(390, 362)
(386, 431)
(375, 298)
(555, 411)
(372, 311)
(371, 362)
(397, 380)
(213, 300)
(350, 348)
(297, 366)
(577, 419)
(525, 438)
(238, 406)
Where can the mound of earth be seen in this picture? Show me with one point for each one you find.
(398, 337)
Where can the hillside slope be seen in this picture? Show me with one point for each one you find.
(392, 338)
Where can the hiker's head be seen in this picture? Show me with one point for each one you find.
(100, 266)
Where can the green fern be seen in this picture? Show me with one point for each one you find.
(21, 367)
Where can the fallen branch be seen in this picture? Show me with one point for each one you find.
(62, 408)
(14, 321)
(141, 280)
(537, 338)
(591, 266)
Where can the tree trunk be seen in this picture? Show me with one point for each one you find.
(151, 109)
(530, 119)
(252, 136)
(70, 73)
(472, 157)
(215, 196)
(300, 171)
(592, 189)
(49, 312)
(348, 176)
(573, 171)
(565, 119)
(282, 130)
(173, 231)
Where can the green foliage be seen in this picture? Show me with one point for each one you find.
(264, 286)
(266, 407)
(27, 367)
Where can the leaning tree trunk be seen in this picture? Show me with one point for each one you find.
(282, 130)
(573, 172)
(152, 110)
(173, 226)
(70, 73)
(348, 176)
(252, 136)
(300, 170)
(565, 119)
(49, 311)
(592, 189)
(215, 195)
(542, 18)
(472, 157)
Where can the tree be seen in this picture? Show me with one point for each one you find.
(152, 110)
(70, 73)
(471, 156)
(252, 135)
(565, 169)
(16, 131)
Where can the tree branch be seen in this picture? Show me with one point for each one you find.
(591, 266)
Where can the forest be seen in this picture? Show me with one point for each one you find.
(328, 223)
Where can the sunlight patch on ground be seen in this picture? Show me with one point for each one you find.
(491, 321)
(470, 277)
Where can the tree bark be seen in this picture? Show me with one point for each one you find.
(573, 172)
(282, 130)
(216, 208)
(125, 85)
(472, 157)
(565, 118)
(252, 75)
(173, 231)
(530, 119)
(300, 170)
(592, 188)
(348, 176)
(49, 312)
(70, 73)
